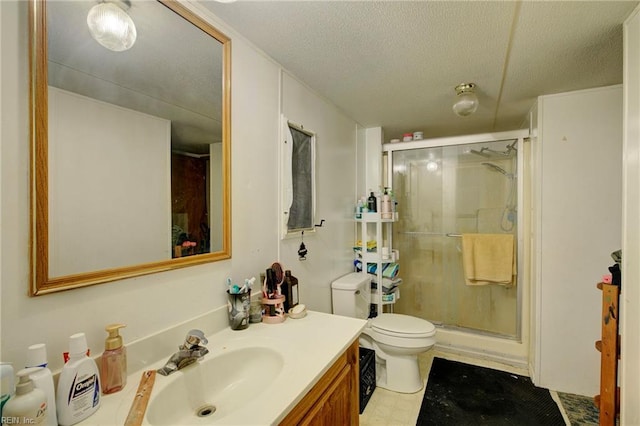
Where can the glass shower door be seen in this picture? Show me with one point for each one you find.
(443, 192)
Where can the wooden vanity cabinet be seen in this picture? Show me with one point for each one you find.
(334, 399)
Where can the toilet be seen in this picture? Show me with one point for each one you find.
(396, 339)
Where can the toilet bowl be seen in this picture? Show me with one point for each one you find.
(397, 339)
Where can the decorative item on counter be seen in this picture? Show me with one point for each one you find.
(43, 379)
(417, 136)
(394, 141)
(29, 405)
(239, 303)
(113, 372)
(272, 298)
(407, 137)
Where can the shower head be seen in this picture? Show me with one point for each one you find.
(497, 168)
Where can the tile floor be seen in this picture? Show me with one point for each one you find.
(397, 409)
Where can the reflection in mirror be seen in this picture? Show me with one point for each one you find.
(130, 155)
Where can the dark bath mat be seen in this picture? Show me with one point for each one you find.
(462, 394)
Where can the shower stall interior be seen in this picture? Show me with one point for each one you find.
(445, 188)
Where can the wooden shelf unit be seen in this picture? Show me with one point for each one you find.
(608, 401)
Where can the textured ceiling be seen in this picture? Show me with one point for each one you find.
(395, 64)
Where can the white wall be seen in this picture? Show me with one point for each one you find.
(630, 297)
(152, 303)
(580, 153)
(330, 246)
(95, 150)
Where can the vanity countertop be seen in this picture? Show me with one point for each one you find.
(309, 346)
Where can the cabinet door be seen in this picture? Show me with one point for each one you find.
(334, 407)
(333, 401)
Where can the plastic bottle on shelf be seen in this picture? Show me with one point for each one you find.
(43, 379)
(386, 205)
(365, 208)
(372, 203)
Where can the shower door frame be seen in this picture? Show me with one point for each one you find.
(520, 135)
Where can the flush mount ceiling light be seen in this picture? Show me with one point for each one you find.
(466, 100)
(110, 25)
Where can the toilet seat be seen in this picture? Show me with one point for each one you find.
(402, 326)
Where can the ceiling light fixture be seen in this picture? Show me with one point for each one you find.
(466, 100)
(110, 25)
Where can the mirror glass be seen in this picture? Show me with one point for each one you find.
(130, 148)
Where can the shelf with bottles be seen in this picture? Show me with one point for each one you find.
(391, 298)
(389, 294)
(376, 217)
(388, 271)
(373, 256)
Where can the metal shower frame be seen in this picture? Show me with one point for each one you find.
(518, 137)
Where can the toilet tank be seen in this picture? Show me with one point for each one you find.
(351, 295)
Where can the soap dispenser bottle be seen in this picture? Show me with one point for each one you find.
(114, 361)
(29, 405)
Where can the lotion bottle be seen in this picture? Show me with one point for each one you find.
(386, 206)
(78, 395)
(29, 405)
(113, 372)
(43, 379)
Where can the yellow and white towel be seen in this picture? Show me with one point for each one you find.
(488, 259)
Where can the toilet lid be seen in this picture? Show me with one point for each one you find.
(402, 325)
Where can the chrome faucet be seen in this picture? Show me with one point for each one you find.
(189, 352)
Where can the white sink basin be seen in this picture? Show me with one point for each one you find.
(214, 388)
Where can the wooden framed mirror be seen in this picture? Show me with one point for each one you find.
(130, 150)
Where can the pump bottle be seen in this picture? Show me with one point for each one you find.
(113, 370)
(29, 405)
(386, 205)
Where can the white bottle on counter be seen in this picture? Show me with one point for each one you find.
(7, 386)
(78, 394)
(29, 405)
(43, 379)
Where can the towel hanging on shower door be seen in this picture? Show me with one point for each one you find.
(488, 259)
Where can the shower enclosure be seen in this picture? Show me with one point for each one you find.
(445, 188)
